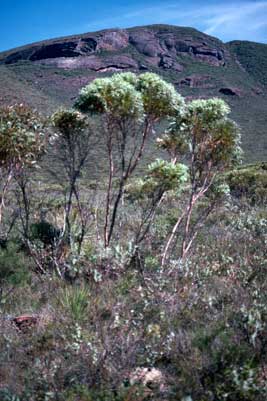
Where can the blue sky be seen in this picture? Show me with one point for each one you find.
(26, 21)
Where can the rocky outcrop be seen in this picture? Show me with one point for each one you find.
(167, 62)
(196, 81)
(230, 91)
(146, 43)
(164, 43)
(83, 46)
(94, 63)
(257, 91)
(164, 47)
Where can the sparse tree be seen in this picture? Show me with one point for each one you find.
(72, 148)
(131, 107)
(210, 142)
(23, 139)
(162, 176)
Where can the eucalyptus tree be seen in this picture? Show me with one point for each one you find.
(130, 108)
(72, 149)
(148, 192)
(209, 141)
(23, 138)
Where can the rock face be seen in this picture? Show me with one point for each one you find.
(160, 46)
(84, 46)
(196, 81)
(231, 91)
(167, 45)
(94, 63)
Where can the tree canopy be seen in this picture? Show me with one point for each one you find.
(22, 136)
(127, 95)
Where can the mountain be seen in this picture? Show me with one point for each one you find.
(49, 74)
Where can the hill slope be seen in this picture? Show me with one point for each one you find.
(49, 74)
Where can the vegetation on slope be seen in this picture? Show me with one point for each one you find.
(129, 287)
(253, 58)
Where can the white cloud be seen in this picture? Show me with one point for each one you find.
(241, 20)
(228, 21)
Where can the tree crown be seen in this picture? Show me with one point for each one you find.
(22, 135)
(127, 95)
(205, 129)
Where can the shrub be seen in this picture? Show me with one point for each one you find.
(14, 266)
(75, 300)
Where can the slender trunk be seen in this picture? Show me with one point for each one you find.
(186, 246)
(115, 209)
(67, 213)
(26, 206)
(108, 198)
(187, 222)
(170, 240)
(124, 175)
(148, 220)
(194, 231)
(146, 132)
(82, 219)
(126, 172)
(4, 191)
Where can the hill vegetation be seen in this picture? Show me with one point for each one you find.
(142, 282)
(253, 58)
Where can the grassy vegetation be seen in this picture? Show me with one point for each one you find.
(201, 324)
(250, 182)
(253, 58)
(82, 319)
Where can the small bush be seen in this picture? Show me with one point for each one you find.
(249, 182)
(14, 266)
(75, 301)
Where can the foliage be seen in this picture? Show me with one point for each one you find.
(253, 57)
(23, 139)
(22, 136)
(111, 321)
(205, 130)
(45, 232)
(249, 181)
(75, 300)
(162, 176)
(69, 122)
(131, 106)
(129, 96)
(167, 175)
(115, 95)
(14, 266)
(210, 142)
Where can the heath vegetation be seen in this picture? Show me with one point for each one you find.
(127, 281)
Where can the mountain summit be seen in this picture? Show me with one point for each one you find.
(49, 74)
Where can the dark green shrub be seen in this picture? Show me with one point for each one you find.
(45, 232)
(14, 266)
(6, 395)
(249, 182)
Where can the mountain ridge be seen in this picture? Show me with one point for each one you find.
(84, 34)
(50, 73)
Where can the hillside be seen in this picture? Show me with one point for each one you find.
(252, 57)
(49, 74)
(132, 263)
